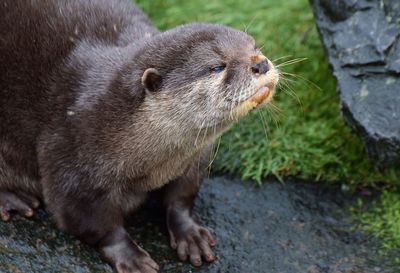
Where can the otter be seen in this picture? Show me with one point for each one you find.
(98, 109)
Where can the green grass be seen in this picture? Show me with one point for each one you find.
(307, 138)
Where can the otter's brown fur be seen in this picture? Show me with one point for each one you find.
(98, 108)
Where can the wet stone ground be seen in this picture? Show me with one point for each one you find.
(275, 228)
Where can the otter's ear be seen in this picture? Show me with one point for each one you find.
(151, 79)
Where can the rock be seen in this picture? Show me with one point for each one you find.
(362, 42)
(291, 228)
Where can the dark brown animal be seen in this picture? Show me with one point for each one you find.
(98, 108)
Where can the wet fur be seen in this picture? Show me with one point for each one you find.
(90, 130)
(79, 129)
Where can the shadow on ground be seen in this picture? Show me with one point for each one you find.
(276, 228)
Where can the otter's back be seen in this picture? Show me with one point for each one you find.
(36, 37)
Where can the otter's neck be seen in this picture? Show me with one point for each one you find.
(124, 123)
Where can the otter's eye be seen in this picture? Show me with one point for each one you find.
(218, 69)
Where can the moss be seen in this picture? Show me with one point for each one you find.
(382, 219)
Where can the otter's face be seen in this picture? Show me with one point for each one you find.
(209, 75)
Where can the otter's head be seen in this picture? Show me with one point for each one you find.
(205, 75)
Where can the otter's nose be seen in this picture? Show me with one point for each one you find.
(260, 68)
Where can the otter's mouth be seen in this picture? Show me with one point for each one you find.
(262, 94)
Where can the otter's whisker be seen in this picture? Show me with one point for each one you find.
(205, 135)
(261, 47)
(280, 58)
(249, 24)
(223, 100)
(269, 115)
(276, 108)
(215, 155)
(293, 60)
(285, 79)
(232, 104)
(289, 90)
(198, 133)
(272, 114)
(290, 62)
(264, 123)
(310, 83)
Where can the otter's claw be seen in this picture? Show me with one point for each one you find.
(193, 241)
(146, 265)
(19, 202)
(142, 263)
(125, 255)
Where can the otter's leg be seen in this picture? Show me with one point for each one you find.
(16, 189)
(187, 236)
(17, 202)
(93, 218)
(125, 255)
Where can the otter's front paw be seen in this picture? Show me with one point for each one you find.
(141, 264)
(125, 255)
(191, 240)
(17, 202)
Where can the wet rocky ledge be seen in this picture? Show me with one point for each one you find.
(290, 227)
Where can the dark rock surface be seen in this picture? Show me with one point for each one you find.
(276, 228)
(362, 41)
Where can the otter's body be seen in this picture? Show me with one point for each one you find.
(48, 51)
(98, 108)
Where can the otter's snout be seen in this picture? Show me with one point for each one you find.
(260, 67)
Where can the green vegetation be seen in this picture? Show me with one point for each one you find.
(306, 137)
(383, 219)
